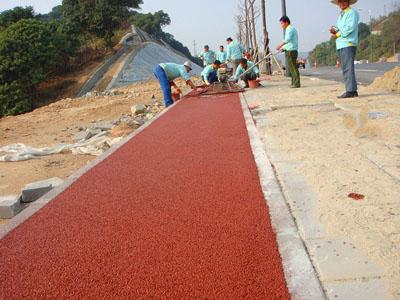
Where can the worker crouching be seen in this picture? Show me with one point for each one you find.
(247, 71)
(210, 73)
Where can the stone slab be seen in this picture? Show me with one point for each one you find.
(10, 206)
(341, 260)
(33, 191)
(371, 289)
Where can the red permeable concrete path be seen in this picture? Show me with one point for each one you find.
(176, 213)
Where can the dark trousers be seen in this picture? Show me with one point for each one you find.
(165, 85)
(291, 58)
(346, 57)
(212, 77)
(249, 76)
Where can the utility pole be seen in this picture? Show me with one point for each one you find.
(194, 48)
(287, 73)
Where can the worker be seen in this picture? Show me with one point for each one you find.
(245, 65)
(346, 36)
(221, 54)
(234, 53)
(290, 46)
(208, 56)
(210, 73)
(166, 73)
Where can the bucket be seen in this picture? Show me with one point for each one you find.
(175, 96)
(253, 84)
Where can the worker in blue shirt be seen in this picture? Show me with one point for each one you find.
(221, 54)
(346, 36)
(245, 65)
(208, 56)
(210, 73)
(290, 45)
(234, 52)
(166, 73)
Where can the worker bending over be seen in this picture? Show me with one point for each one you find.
(210, 73)
(245, 65)
(166, 73)
(208, 56)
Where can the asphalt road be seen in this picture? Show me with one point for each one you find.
(365, 73)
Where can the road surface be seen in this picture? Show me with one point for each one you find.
(176, 213)
(365, 73)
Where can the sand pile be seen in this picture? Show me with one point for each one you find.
(389, 81)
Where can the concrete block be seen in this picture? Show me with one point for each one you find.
(33, 191)
(357, 290)
(341, 260)
(10, 206)
(308, 224)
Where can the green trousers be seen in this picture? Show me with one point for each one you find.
(291, 57)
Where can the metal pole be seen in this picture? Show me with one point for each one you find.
(287, 73)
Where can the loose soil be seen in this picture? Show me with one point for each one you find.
(340, 150)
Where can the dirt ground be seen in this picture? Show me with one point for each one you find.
(342, 147)
(58, 123)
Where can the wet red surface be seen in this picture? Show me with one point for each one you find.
(176, 213)
(356, 196)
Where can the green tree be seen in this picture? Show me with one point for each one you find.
(151, 23)
(27, 52)
(11, 16)
(98, 17)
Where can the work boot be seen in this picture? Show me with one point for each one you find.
(348, 95)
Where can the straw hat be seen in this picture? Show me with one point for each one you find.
(350, 1)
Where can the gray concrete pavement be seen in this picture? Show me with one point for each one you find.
(365, 73)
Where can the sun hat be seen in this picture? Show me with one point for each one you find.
(188, 64)
(350, 1)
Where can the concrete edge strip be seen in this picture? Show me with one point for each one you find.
(28, 212)
(301, 278)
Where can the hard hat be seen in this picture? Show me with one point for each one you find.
(188, 64)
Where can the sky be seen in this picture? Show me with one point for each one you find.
(212, 21)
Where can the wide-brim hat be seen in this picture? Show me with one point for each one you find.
(350, 1)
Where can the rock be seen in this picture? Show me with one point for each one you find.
(87, 134)
(10, 206)
(149, 116)
(138, 109)
(103, 126)
(122, 129)
(89, 95)
(33, 191)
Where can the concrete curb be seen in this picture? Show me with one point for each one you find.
(50, 196)
(301, 278)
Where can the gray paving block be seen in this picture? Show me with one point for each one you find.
(341, 260)
(308, 225)
(10, 206)
(357, 290)
(33, 191)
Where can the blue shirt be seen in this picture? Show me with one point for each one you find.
(348, 29)
(174, 71)
(221, 56)
(234, 51)
(240, 70)
(208, 57)
(291, 39)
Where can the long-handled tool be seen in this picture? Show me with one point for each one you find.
(258, 63)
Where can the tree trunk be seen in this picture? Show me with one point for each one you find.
(268, 67)
(253, 23)
(246, 8)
